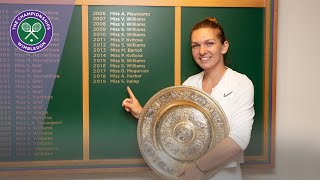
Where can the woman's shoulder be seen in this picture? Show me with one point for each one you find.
(239, 79)
(194, 79)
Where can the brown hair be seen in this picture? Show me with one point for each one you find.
(210, 23)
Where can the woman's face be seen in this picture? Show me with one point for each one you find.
(207, 50)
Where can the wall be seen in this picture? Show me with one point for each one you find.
(297, 117)
(297, 141)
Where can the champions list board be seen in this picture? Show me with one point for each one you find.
(60, 108)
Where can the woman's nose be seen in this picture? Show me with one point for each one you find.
(202, 50)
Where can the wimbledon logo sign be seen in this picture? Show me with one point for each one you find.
(31, 31)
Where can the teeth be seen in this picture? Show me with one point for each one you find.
(204, 59)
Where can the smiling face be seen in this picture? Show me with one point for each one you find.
(207, 48)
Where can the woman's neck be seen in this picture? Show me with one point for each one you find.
(211, 78)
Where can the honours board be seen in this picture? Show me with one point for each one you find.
(41, 93)
(60, 108)
(128, 46)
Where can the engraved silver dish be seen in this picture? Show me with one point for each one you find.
(178, 125)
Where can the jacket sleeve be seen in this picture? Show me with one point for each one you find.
(242, 116)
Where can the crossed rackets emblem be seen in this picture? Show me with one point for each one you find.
(31, 31)
(26, 27)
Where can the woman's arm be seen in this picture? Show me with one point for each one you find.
(217, 156)
(221, 153)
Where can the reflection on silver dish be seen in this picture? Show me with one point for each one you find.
(178, 125)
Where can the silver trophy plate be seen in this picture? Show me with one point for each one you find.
(178, 125)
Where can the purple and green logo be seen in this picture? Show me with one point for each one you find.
(31, 31)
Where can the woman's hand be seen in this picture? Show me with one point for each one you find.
(132, 104)
(191, 172)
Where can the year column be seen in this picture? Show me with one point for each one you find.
(6, 90)
(98, 47)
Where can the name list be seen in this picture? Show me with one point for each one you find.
(118, 47)
(26, 128)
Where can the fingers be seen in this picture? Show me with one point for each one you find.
(180, 173)
(127, 100)
(127, 104)
(127, 109)
(131, 104)
(130, 93)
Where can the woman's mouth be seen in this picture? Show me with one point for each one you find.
(204, 59)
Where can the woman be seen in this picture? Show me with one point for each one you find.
(232, 90)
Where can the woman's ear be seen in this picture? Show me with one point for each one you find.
(225, 47)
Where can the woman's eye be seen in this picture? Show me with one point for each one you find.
(194, 46)
(209, 44)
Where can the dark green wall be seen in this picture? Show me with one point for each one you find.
(244, 29)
